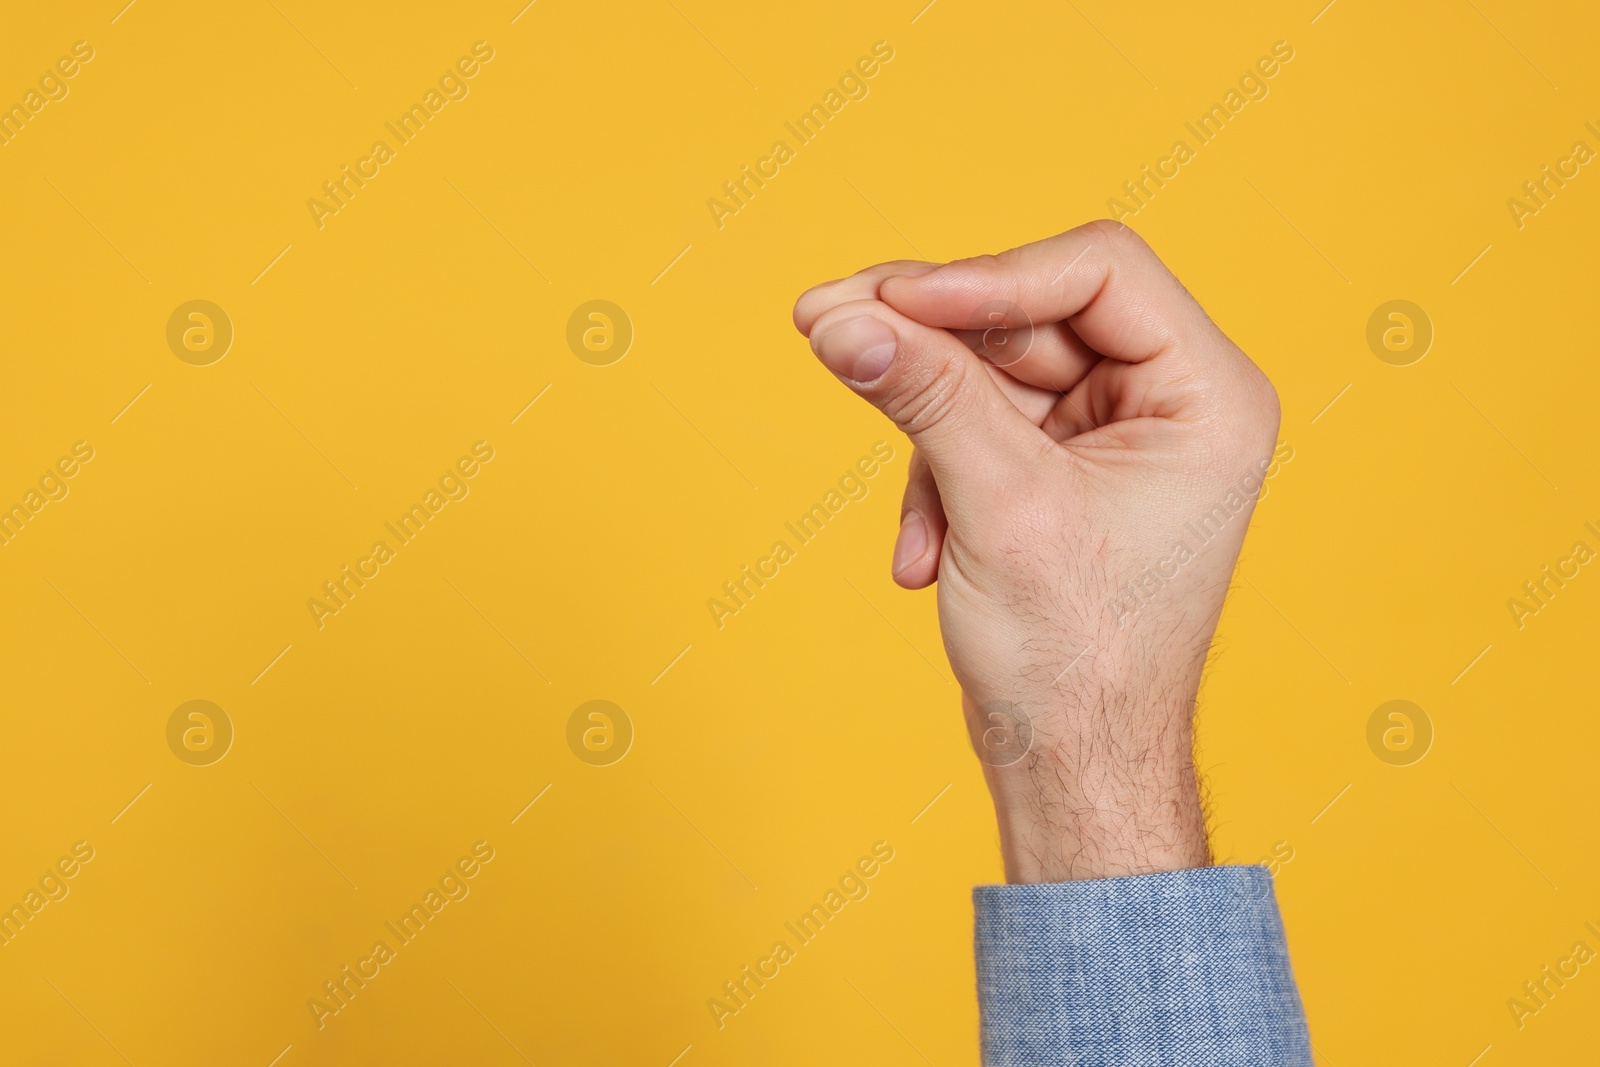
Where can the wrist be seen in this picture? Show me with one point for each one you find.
(1056, 829)
(1105, 789)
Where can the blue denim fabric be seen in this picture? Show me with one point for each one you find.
(1180, 969)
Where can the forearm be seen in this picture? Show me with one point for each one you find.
(1067, 816)
(1107, 786)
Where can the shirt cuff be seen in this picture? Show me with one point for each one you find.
(1179, 968)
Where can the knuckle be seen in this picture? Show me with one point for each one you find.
(921, 403)
(1118, 235)
(1247, 401)
(1103, 227)
(1265, 397)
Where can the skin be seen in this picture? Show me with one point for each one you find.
(1076, 418)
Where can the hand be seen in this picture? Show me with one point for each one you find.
(1089, 447)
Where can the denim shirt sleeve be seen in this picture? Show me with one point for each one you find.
(1180, 968)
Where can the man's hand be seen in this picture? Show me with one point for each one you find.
(1089, 447)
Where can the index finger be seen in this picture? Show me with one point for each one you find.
(862, 285)
(1100, 278)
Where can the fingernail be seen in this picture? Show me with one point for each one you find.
(859, 349)
(911, 543)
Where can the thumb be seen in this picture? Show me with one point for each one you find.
(933, 387)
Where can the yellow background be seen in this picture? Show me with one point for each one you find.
(427, 715)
